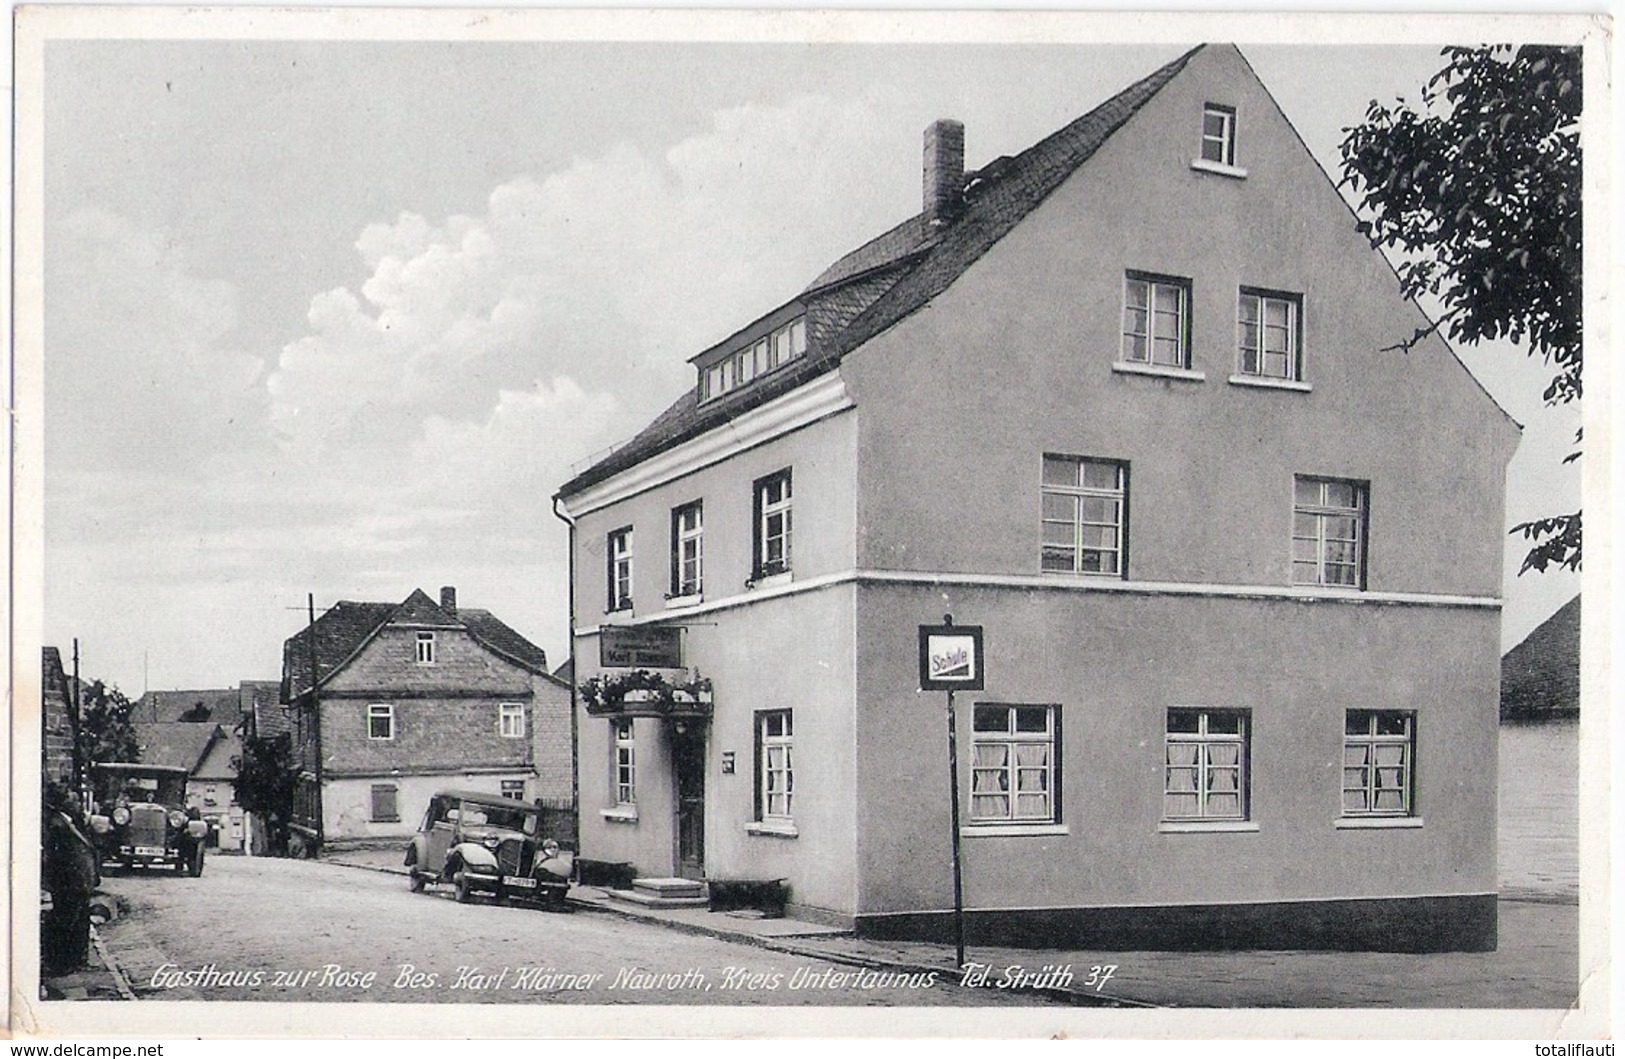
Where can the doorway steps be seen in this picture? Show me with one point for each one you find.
(665, 893)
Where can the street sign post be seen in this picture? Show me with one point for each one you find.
(951, 659)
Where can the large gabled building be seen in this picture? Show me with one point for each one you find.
(410, 698)
(1128, 401)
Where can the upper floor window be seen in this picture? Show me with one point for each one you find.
(1271, 334)
(425, 649)
(1219, 134)
(619, 574)
(1015, 764)
(1328, 532)
(772, 524)
(767, 353)
(1205, 776)
(511, 720)
(1083, 501)
(687, 550)
(1156, 320)
(381, 721)
(1378, 748)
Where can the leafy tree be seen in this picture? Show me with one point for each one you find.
(1480, 192)
(266, 776)
(106, 732)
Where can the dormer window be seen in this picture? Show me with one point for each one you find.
(766, 353)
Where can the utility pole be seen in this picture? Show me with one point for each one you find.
(315, 714)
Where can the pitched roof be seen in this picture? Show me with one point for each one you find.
(1540, 677)
(181, 744)
(261, 704)
(347, 626)
(206, 704)
(897, 273)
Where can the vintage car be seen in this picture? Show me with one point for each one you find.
(139, 818)
(484, 843)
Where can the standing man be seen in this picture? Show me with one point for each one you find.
(68, 871)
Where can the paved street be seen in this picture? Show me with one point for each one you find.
(283, 930)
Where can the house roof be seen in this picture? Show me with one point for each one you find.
(348, 625)
(261, 704)
(1540, 677)
(178, 744)
(897, 273)
(217, 704)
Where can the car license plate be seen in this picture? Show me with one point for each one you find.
(519, 881)
(149, 851)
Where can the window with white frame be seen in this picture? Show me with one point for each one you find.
(688, 550)
(618, 595)
(1015, 763)
(1378, 750)
(625, 761)
(425, 649)
(514, 789)
(1270, 327)
(1205, 770)
(1084, 504)
(775, 771)
(381, 721)
(1328, 532)
(511, 720)
(1219, 134)
(1156, 320)
(764, 354)
(385, 808)
(773, 529)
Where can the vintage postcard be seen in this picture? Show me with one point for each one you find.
(780, 523)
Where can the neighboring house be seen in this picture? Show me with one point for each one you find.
(1540, 678)
(205, 749)
(1130, 401)
(219, 705)
(263, 716)
(56, 722)
(410, 698)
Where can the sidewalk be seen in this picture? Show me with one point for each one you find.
(1536, 965)
(100, 980)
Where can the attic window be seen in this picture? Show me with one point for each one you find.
(425, 649)
(1217, 153)
(767, 353)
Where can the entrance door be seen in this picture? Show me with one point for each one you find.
(688, 756)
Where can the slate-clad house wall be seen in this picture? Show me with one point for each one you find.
(413, 698)
(1123, 400)
(56, 732)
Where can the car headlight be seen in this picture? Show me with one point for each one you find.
(550, 847)
(177, 818)
(490, 842)
(121, 816)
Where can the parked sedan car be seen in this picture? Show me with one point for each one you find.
(485, 844)
(139, 818)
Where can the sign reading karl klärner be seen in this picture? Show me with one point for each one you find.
(640, 646)
(950, 657)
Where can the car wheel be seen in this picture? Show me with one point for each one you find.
(463, 892)
(414, 881)
(194, 867)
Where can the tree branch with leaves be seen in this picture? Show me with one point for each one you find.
(1479, 194)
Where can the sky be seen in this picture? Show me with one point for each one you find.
(339, 317)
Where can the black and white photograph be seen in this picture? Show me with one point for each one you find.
(808, 523)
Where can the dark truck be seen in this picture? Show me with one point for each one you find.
(139, 818)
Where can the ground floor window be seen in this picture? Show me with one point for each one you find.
(1205, 775)
(775, 770)
(625, 761)
(1378, 749)
(514, 789)
(383, 803)
(1015, 764)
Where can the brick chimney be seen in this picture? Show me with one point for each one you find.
(448, 600)
(944, 170)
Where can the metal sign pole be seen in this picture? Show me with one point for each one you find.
(953, 804)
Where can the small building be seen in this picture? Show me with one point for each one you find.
(1540, 677)
(412, 697)
(1130, 402)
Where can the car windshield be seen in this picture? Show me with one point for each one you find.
(163, 788)
(516, 819)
